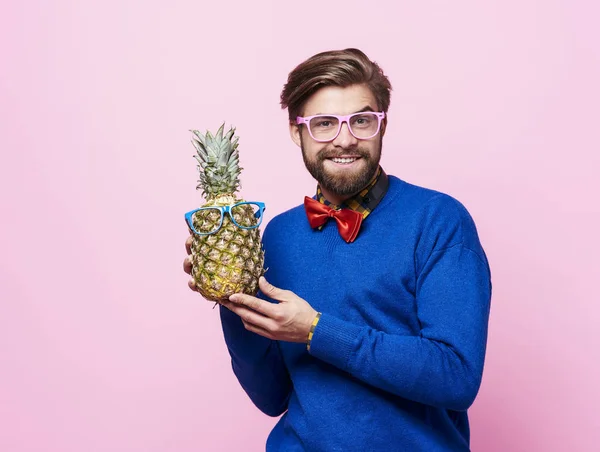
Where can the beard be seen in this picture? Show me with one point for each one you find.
(343, 184)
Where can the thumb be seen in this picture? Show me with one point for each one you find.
(269, 290)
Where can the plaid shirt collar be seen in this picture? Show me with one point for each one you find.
(366, 200)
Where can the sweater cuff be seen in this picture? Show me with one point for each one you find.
(334, 340)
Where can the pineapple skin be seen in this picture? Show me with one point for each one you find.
(230, 260)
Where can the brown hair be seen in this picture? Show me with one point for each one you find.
(334, 68)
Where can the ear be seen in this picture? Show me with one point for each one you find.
(295, 134)
(383, 126)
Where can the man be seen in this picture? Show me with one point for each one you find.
(370, 334)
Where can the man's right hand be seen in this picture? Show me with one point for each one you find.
(187, 263)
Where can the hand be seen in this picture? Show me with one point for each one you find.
(187, 263)
(289, 320)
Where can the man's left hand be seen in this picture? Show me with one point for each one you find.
(289, 320)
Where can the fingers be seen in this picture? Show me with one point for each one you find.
(258, 330)
(270, 290)
(188, 245)
(252, 319)
(255, 304)
(187, 265)
(192, 285)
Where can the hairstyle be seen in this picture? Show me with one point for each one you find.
(334, 68)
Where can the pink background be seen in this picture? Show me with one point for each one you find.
(102, 345)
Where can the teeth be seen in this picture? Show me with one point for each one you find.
(343, 160)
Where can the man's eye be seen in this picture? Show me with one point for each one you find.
(323, 122)
(362, 121)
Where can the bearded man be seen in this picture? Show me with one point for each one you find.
(371, 332)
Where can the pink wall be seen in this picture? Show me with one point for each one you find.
(103, 347)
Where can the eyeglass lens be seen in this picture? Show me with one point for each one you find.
(208, 220)
(364, 125)
(246, 215)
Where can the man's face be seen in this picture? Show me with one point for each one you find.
(344, 166)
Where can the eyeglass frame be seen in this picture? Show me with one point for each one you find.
(342, 119)
(189, 216)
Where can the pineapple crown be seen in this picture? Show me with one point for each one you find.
(218, 162)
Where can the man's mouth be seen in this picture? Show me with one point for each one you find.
(344, 160)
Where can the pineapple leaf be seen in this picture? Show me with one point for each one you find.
(199, 135)
(199, 149)
(219, 135)
(230, 133)
(218, 161)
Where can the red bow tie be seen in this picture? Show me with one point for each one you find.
(348, 220)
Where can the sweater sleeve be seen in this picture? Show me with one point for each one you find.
(442, 365)
(258, 365)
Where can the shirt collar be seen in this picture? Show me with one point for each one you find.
(364, 201)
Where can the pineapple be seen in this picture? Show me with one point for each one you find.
(230, 260)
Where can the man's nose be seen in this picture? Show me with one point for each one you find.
(345, 137)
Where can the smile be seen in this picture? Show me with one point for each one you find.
(344, 160)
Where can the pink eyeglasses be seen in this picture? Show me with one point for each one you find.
(324, 128)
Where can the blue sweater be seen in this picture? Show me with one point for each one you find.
(397, 356)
